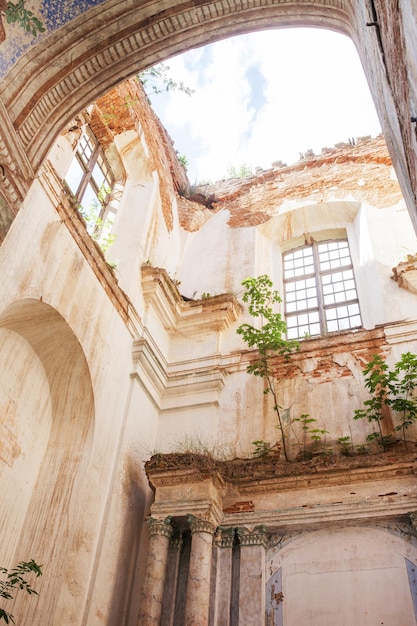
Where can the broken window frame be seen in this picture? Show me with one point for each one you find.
(89, 156)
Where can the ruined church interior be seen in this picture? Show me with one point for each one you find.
(141, 463)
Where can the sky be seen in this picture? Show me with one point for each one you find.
(265, 97)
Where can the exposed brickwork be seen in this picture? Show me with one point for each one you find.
(317, 359)
(192, 215)
(127, 107)
(362, 172)
(240, 507)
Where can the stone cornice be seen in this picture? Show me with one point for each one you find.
(319, 516)
(354, 490)
(191, 317)
(173, 386)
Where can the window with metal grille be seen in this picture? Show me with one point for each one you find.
(90, 179)
(319, 290)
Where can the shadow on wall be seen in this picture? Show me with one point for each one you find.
(48, 416)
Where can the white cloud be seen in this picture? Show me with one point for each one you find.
(309, 91)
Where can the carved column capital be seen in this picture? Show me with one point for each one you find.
(198, 525)
(255, 537)
(224, 537)
(159, 527)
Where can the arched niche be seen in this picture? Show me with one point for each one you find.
(47, 422)
(343, 576)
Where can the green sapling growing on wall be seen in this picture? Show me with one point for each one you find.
(269, 339)
(393, 388)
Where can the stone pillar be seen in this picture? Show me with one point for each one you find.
(198, 585)
(153, 588)
(224, 540)
(174, 553)
(252, 575)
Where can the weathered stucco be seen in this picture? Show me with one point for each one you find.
(103, 366)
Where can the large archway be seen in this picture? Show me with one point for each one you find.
(83, 59)
(47, 426)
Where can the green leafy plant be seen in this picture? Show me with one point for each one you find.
(269, 339)
(156, 79)
(318, 435)
(261, 448)
(377, 382)
(18, 13)
(99, 229)
(264, 449)
(311, 436)
(15, 580)
(239, 171)
(183, 159)
(305, 421)
(390, 388)
(346, 446)
(403, 383)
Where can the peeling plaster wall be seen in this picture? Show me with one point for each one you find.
(102, 368)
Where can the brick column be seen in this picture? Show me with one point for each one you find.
(224, 540)
(252, 575)
(153, 589)
(198, 585)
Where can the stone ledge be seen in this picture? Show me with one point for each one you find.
(269, 473)
(212, 314)
(287, 495)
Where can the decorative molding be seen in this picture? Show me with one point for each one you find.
(70, 216)
(385, 490)
(160, 527)
(198, 525)
(171, 387)
(401, 332)
(319, 516)
(255, 537)
(224, 537)
(191, 317)
(206, 508)
(413, 522)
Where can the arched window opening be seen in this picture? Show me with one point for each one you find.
(91, 182)
(319, 289)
